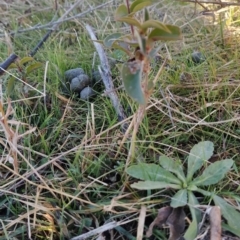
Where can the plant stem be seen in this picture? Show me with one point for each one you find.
(128, 8)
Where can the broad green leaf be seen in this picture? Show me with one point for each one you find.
(121, 47)
(150, 185)
(110, 39)
(192, 230)
(163, 35)
(121, 11)
(229, 213)
(203, 192)
(152, 172)
(130, 21)
(33, 67)
(10, 84)
(146, 14)
(141, 42)
(199, 154)
(131, 74)
(228, 228)
(213, 173)
(25, 60)
(172, 166)
(155, 24)
(129, 39)
(139, 5)
(12, 66)
(179, 199)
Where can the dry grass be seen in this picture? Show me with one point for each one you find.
(61, 168)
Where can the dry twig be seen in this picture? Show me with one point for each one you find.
(106, 75)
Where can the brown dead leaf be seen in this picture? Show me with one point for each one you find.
(173, 217)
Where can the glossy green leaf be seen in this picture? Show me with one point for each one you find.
(213, 173)
(155, 24)
(10, 84)
(25, 60)
(152, 172)
(229, 213)
(193, 228)
(139, 5)
(179, 199)
(150, 185)
(121, 11)
(231, 229)
(110, 39)
(146, 14)
(131, 74)
(163, 35)
(12, 66)
(199, 154)
(118, 45)
(130, 21)
(33, 67)
(173, 166)
(141, 42)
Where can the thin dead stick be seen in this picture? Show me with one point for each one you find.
(54, 28)
(106, 75)
(3, 66)
(96, 231)
(215, 223)
(49, 25)
(141, 222)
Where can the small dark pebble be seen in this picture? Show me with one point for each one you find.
(72, 73)
(198, 57)
(87, 93)
(79, 83)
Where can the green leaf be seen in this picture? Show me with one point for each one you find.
(130, 21)
(163, 35)
(199, 154)
(150, 185)
(155, 24)
(139, 5)
(12, 66)
(110, 39)
(229, 213)
(33, 67)
(121, 11)
(193, 228)
(146, 14)
(10, 84)
(179, 199)
(25, 60)
(121, 47)
(152, 172)
(131, 74)
(213, 173)
(141, 42)
(228, 228)
(173, 166)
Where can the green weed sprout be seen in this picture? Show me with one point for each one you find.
(139, 46)
(170, 174)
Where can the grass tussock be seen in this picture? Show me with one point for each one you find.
(62, 165)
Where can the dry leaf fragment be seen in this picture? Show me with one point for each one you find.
(174, 217)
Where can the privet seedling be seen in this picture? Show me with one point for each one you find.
(170, 174)
(139, 45)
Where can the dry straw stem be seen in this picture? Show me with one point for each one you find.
(97, 231)
(11, 135)
(141, 222)
(52, 24)
(215, 223)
